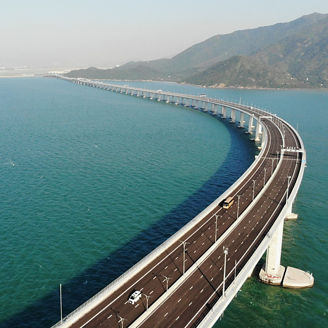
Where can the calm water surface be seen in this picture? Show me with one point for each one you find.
(92, 181)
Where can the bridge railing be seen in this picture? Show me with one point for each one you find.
(100, 296)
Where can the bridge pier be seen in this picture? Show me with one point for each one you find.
(250, 124)
(258, 130)
(233, 116)
(213, 109)
(223, 112)
(273, 273)
(242, 120)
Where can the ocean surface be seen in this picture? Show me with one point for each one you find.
(91, 181)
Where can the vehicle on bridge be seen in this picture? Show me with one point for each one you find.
(134, 297)
(227, 202)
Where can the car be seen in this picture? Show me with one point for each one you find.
(134, 297)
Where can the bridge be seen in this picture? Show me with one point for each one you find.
(190, 279)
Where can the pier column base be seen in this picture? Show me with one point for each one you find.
(291, 216)
(296, 278)
(272, 279)
(288, 278)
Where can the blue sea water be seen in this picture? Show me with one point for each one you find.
(91, 181)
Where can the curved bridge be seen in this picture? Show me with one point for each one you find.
(190, 279)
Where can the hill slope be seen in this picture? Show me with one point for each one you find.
(300, 60)
(204, 63)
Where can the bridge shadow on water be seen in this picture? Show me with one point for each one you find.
(45, 312)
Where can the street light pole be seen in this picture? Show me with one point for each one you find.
(147, 300)
(61, 303)
(253, 188)
(288, 188)
(166, 279)
(234, 280)
(184, 256)
(225, 251)
(216, 228)
(238, 206)
(121, 321)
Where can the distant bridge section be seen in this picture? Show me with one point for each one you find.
(191, 278)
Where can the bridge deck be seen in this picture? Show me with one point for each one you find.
(189, 300)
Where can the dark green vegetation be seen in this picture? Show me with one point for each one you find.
(285, 55)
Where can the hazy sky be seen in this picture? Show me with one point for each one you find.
(81, 33)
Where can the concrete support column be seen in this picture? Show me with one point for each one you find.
(250, 124)
(233, 115)
(223, 112)
(213, 108)
(242, 120)
(273, 255)
(273, 272)
(257, 130)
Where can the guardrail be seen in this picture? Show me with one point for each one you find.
(103, 294)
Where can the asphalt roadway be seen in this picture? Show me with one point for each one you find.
(195, 296)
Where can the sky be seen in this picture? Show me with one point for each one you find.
(105, 33)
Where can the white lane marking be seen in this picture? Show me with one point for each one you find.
(179, 300)
(166, 314)
(190, 303)
(109, 316)
(162, 259)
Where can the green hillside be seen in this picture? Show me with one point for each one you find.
(290, 54)
(300, 60)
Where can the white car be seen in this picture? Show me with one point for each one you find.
(134, 297)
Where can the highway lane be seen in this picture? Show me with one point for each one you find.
(154, 279)
(203, 238)
(180, 309)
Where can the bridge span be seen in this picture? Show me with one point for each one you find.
(191, 278)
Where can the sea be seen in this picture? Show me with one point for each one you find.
(92, 181)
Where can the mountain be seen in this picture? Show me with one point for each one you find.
(219, 59)
(299, 60)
